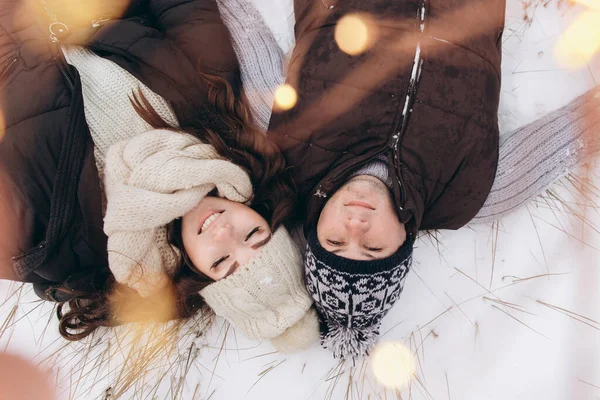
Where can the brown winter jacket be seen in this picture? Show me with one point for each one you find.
(49, 184)
(425, 94)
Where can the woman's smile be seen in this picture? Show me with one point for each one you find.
(208, 218)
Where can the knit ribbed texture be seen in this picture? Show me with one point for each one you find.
(267, 296)
(107, 89)
(260, 57)
(150, 180)
(377, 168)
(300, 336)
(535, 156)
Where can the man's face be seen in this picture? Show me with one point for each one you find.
(359, 221)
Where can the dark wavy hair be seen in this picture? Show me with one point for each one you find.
(224, 121)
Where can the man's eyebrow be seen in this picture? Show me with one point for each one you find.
(231, 270)
(260, 244)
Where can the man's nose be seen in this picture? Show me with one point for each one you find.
(356, 224)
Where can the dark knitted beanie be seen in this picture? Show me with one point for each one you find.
(353, 296)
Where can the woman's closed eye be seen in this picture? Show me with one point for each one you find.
(334, 242)
(219, 261)
(252, 232)
(260, 236)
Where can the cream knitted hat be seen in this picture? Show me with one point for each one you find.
(267, 298)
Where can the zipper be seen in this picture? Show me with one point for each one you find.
(394, 141)
(8, 67)
(58, 30)
(401, 124)
(63, 66)
(28, 252)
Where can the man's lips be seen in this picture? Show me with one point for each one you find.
(357, 203)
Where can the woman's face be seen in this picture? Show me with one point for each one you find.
(220, 235)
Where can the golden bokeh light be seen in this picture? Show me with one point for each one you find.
(80, 13)
(581, 40)
(595, 4)
(127, 305)
(354, 33)
(392, 364)
(285, 97)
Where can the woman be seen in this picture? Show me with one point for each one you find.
(55, 144)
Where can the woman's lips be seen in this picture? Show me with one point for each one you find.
(207, 214)
(357, 203)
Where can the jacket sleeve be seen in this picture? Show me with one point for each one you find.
(196, 27)
(538, 154)
(261, 59)
(46, 204)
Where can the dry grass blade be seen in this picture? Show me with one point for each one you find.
(18, 292)
(519, 321)
(219, 354)
(335, 379)
(260, 355)
(539, 276)
(421, 387)
(439, 315)
(414, 270)
(506, 304)
(460, 309)
(539, 239)
(263, 374)
(589, 384)
(573, 315)
(7, 323)
(477, 283)
(495, 226)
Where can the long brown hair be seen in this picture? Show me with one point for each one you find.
(224, 121)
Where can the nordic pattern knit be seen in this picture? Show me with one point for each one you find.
(353, 296)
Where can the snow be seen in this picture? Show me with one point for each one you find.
(470, 345)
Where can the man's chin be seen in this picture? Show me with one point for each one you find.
(365, 185)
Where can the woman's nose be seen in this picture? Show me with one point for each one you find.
(223, 232)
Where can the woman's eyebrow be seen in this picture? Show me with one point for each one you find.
(260, 244)
(232, 269)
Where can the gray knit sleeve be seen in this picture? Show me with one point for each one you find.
(260, 57)
(536, 155)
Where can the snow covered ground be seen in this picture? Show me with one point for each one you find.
(490, 312)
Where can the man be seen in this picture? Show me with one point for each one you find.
(399, 138)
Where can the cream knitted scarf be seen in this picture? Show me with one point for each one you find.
(150, 180)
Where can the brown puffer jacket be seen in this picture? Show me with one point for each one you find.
(425, 94)
(49, 184)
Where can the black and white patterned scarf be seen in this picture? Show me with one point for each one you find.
(353, 296)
